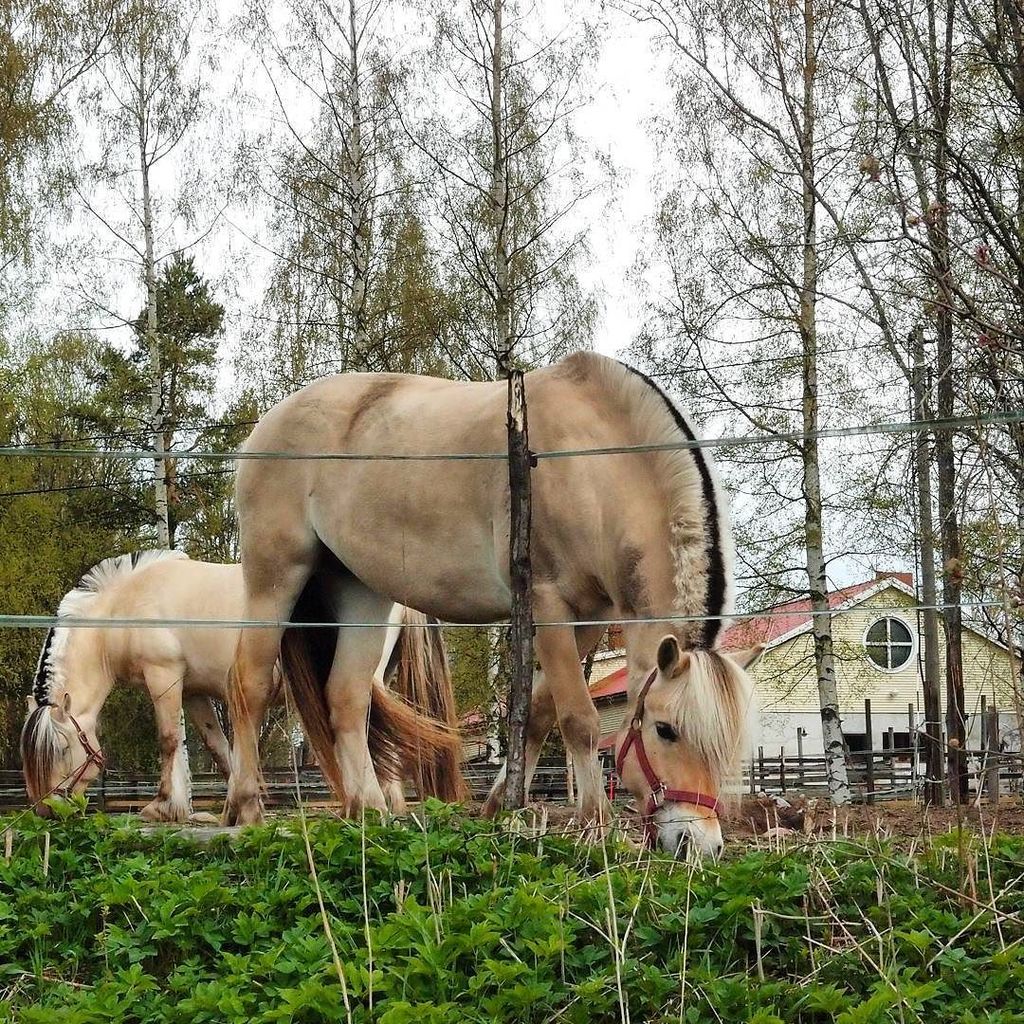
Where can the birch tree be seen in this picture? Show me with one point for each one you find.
(748, 256)
(147, 100)
(508, 178)
(353, 286)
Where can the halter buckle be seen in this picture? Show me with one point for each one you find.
(657, 797)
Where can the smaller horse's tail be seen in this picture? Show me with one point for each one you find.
(423, 678)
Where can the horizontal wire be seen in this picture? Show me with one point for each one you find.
(950, 423)
(83, 622)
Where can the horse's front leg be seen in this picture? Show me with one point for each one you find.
(201, 711)
(542, 718)
(173, 801)
(558, 651)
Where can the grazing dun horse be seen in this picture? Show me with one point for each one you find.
(631, 535)
(182, 666)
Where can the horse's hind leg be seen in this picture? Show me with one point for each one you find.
(357, 659)
(173, 801)
(201, 711)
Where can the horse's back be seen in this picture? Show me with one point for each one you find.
(429, 528)
(180, 592)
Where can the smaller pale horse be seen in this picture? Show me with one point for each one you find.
(186, 668)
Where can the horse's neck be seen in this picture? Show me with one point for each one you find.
(642, 641)
(86, 674)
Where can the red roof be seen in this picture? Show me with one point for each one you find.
(764, 629)
(793, 614)
(610, 686)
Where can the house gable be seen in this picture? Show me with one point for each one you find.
(786, 678)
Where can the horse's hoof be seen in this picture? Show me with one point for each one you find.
(595, 822)
(243, 812)
(164, 810)
(491, 806)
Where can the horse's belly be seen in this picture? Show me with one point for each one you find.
(429, 540)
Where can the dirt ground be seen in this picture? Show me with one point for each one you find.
(897, 819)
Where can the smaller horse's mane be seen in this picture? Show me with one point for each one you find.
(49, 677)
(711, 712)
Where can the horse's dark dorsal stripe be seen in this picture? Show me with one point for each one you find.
(716, 586)
(41, 682)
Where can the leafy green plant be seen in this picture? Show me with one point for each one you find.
(470, 923)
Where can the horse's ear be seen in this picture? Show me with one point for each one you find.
(746, 657)
(672, 658)
(62, 711)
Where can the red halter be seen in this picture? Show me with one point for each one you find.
(659, 791)
(93, 755)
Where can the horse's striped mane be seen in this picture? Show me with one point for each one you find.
(49, 676)
(698, 502)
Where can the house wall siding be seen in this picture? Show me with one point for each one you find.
(786, 682)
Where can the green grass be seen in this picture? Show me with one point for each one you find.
(465, 922)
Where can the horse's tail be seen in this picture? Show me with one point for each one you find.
(306, 658)
(398, 737)
(423, 678)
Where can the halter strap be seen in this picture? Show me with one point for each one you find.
(659, 792)
(93, 755)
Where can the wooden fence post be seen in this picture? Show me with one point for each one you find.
(914, 747)
(782, 768)
(869, 755)
(760, 765)
(992, 756)
(521, 578)
(892, 761)
(800, 733)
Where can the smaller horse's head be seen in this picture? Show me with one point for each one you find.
(58, 754)
(681, 744)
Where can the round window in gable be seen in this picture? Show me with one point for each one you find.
(889, 643)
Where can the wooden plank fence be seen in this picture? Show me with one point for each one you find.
(890, 773)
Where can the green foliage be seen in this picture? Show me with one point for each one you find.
(469, 653)
(469, 924)
(62, 394)
(189, 326)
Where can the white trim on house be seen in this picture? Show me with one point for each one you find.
(852, 602)
(912, 632)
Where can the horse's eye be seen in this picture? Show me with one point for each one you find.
(666, 732)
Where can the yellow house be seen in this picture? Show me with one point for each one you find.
(878, 647)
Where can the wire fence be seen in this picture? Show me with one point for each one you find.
(950, 424)
(769, 772)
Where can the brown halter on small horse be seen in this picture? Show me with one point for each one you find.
(659, 791)
(93, 755)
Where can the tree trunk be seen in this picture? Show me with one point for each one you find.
(156, 404)
(940, 85)
(930, 617)
(521, 580)
(499, 201)
(828, 694)
(357, 184)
